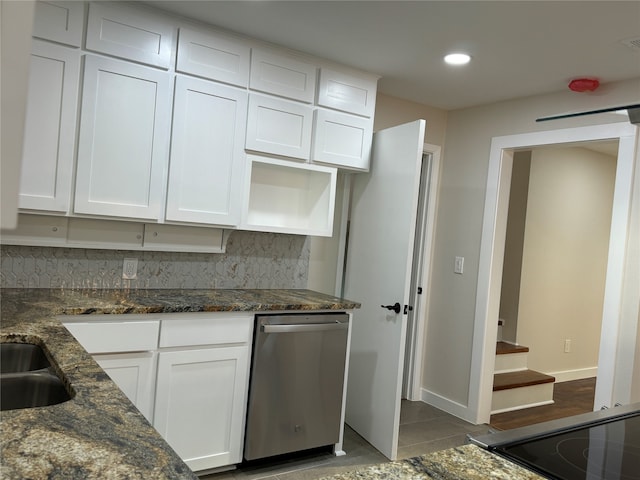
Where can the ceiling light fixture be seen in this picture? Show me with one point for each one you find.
(457, 59)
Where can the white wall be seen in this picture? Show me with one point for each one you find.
(458, 231)
(564, 259)
(513, 245)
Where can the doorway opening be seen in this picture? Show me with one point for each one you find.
(553, 279)
(420, 273)
(492, 254)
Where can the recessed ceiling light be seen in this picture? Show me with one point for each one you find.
(457, 59)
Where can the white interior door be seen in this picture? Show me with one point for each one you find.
(378, 272)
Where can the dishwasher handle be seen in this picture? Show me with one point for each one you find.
(304, 327)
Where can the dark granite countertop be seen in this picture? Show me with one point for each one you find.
(99, 433)
(468, 462)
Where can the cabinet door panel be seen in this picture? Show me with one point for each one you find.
(207, 159)
(283, 76)
(124, 130)
(342, 140)
(206, 426)
(213, 56)
(134, 373)
(59, 21)
(348, 93)
(50, 127)
(279, 127)
(130, 33)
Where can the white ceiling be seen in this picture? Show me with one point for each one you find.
(519, 48)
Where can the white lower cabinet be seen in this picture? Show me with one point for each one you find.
(187, 373)
(200, 404)
(134, 373)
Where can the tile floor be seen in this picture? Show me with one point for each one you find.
(423, 429)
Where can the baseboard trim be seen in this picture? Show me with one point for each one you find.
(577, 374)
(520, 407)
(447, 405)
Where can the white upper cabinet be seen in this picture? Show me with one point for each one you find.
(130, 33)
(213, 56)
(179, 125)
(288, 197)
(342, 140)
(279, 127)
(50, 128)
(346, 92)
(59, 21)
(207, 159)
(123, 144)
(283, 76)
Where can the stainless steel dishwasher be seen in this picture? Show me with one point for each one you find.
(296, 386)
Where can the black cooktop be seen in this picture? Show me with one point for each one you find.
(607, 450)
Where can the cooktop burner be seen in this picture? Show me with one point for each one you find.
(608, 450)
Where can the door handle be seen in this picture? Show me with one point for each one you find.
(396, 307)
(308, 327)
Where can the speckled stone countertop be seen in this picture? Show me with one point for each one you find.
(468, 462)
(99, 433)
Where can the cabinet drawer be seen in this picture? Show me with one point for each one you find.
(213, 56)
(342, 140)
(59, 21)
(283, 76)
(178, 238)
(86, 232)
(125, 336)
(206, 329)
(349, 93)
(130, 33)
(279, 127)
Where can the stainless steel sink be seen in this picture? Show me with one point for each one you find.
(32, 389)
(22, 357)
(27, 378)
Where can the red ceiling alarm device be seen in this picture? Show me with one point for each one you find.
(584, 84)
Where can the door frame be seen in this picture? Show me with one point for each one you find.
(415, 344)
(492, 252)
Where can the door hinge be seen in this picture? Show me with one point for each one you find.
(419, 290)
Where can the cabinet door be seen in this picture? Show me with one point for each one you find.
(128, 32)
(124, 131)
(50, 127)
(349, 93)
(282, 75)
(59, 21)
(279, 127)
(342, 140)
(207, 158)
(134, 373)
(201, 403)
(214, 56)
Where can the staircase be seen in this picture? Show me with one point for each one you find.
(514, 385)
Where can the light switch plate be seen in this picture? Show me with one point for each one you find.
(458, 266)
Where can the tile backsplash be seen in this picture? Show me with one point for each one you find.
(252, 260)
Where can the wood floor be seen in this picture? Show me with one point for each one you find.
(570, 398)
(423, 429)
